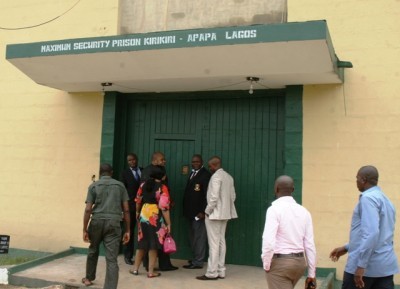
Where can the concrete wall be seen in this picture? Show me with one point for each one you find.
(49, 139)
(351, 125)
(139, 16)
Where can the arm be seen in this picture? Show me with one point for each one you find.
(167, 219)
(163, 205)
(369, 236)
(269, 238)
(213, 194)
(86, 218)
(369, 230)
(127, 219)
(138, 200)
(123, 179)
(338, 252)
(233, 192)
(309, 248)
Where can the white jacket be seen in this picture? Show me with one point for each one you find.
(221, 197)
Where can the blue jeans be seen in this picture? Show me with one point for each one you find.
(370, 282)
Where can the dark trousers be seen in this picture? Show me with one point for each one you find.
(369, 282)
(129, 248)
(198, 241)
(108, 232)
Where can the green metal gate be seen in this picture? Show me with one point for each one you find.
(248, 132)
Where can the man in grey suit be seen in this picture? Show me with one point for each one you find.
(220, 209)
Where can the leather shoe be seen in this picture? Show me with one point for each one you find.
(191, 266)
(205, 278)
(170, 268)
(128, 261)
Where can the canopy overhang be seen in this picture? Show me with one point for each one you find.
(284, 54)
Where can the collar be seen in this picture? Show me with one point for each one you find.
(285, 199)
(196, 171)
(105, 177)
(369, 191)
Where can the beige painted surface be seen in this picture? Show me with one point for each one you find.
(49, 139)
(355, 124)
(139, 16)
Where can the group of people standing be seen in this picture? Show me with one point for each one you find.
(143, 198)
(288, 247)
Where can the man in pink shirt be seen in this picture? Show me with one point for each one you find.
(288, 240)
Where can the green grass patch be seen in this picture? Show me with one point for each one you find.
(20, 256)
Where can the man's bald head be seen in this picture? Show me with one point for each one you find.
(370, 174)
(367, 177)
(106, 170)
(158, 159)
(214, 164)
(284, 186)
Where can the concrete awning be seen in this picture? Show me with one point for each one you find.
(284, 54)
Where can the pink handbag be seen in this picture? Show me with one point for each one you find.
(169, 246)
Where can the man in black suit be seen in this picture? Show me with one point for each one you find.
(131, 179)
(194, 204)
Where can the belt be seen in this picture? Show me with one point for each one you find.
(301, 254)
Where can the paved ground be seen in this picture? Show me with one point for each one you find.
(70, 270)
(19, 287)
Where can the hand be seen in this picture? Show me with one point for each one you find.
(200, 216)
(337, 252)
(358, 277)
(266, 267)
(311, 283)
(86, 237)
(126, 238)
(169, 229)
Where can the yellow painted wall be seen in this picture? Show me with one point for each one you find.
(49, 139)
(355, 124)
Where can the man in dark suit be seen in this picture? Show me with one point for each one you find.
(194, 204)
(131, 179)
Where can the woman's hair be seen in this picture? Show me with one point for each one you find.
(156, 173)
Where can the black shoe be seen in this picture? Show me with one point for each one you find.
(128, 261)
(170, 268)
(205, 278)
(191, 266)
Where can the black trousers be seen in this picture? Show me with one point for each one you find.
(198, 241)
(370, 282)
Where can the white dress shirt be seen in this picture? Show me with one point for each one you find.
(288, 229)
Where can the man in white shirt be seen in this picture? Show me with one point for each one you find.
(220, 208)
(288, 237)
